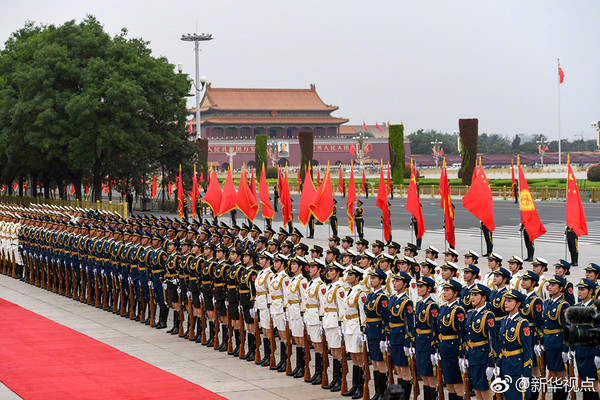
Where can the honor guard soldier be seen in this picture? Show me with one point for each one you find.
(501, 280)
(515, 348)
(263, 302)
(293, 295)
(452, 332)
(385, 263)
(184, 278)
(449, 271)
(366, 263)
(219, 278)
(333, 221)
(529, 245)
(277, 283)
(233, 300)
(587, 358)
(428, 268)
(563, 268)
(426, 315)
(592, 272)
(296, 236)
(247, 291)
(556, 350)
(171, 277)
(269, 232)
(573, 245)
(282, 235)
(377, 248)
(451, 255)
(415, 226)
(401, 329)
(358, 218)
(494, 262)
(316, 252)
(287, 248)
(332, 322)
(206, 288)
(354, 317)
(471, 257)
(362, 245)
(482, 342)
(409, 265)
(470, 274)
(410, 250)
(313, 300)
(515, 264)
(393, 249)
(531, 310)
(334, 242)
(301, 250)
(489, 242)
(376, 330)
(540, 265)
(159, 270)
(347, 243)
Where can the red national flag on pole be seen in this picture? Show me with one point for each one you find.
(169, 189)
(190, 127)
(201, 176)
(441, 151)
(378, 127)
(364, 183)
(107, 189)
(195, 191)
(479, 201)
(213, 194)
(285, 199)
(413, 204)
(382, 203)
(246, 200)
(153, 185)
(252, 182)
(87, 190)
(72, 189)
(575, 214)
(229, 195)
(529, 216)
(180, 193)
(513, 183)
(389, 181)
(365, 126)
(322, 203)
(561, 74)
(367, 149)
(446, 205)
(308, 193)
(352, 150)
(351, 199)
(318, 177)
(341, 181)
(263, 195)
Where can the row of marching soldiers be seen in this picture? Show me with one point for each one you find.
(448, 325)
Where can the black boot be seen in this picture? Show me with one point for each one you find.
(355, 380)
(377, 385)
(267, 350)
(162, 317)
(300, 364)
(251, 348)
(359, 387)
(317, 378)
(299, 354)
(337, 375)
(407, 385)
(186, 334)
(198, 335)
(237, 337)
(224, 338)
(210, 342)
(175, 328)
(281, 366)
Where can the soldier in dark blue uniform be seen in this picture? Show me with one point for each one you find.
(531, 310)
(401, 329)
(592, 272)
(470, 274)
(451, 330)
(159, 269)
(482, 343)
(501, 280)
(587, 358)
(516, 348)
(556, 350)
(426, 315)
(563, 268)
(375, 329)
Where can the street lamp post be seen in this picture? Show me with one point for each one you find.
(361, 147)
(437, 145)
(596, 125)
(199, 82)
(542, 148)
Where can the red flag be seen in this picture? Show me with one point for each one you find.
(413, 204)
(318, 177)
(364, 183)
(195, 191)
(513, 183)
(382, 203)
(308, 193)
(575, 214)
(252, 182)
(446, 205)
(213, 194)
(322, 203)
(441, 151)
(229, 195)
(246, 200)
(389, 181)
(298, 177)
(263, 195)
(72, 189)
(153, 185)
(479, 200)
(367, 149)
(561, 76)
(180, 193)
(352, 150)
(341, 181)
(15, 186)
(365, 126)
(529, 215)
(190, 128)
(285, 199)
(87, 190)
(170, 188)
(201, 176)
(378, 127)
(351, 199)
(107, 189)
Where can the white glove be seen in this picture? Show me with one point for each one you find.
(130, 281)
(120, 277)
(597, 361)
(461, 365)
(252, 313)
(466, 364)
(178, 291)
(565, 357)
(412, 351)
(382, 346)
(363, 338)
(150, 285)
(164, 285)
(189, 294)
(571, 355)
(537, 350)
(433, 359)
(489, 373)
(496, 371)
(407, 352)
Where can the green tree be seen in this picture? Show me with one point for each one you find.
(420, 142)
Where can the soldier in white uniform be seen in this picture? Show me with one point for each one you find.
(263, 303)
(407, 264)
(312, 300)
(428, 268)
(515, 264)
(540, 265)
(293, 295)
(366, 263)
(348, 258)
(494, 263)
(449, 270)
(332, 322)
(277, 283)
(385, 264)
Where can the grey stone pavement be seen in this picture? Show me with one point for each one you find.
(222, 374)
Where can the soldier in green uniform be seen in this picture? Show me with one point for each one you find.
(358, 218)
(333, 221)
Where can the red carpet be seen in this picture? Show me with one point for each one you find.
(40, 359)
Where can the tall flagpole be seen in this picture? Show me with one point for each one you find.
(559, 141)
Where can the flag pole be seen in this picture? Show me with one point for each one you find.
(559, 144)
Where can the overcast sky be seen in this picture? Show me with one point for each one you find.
(426, 63)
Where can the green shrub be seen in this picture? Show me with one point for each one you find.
(260, 153)
(271, 173)
(406, 171)
(468, 136)
(396, 145)
(593, 173)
